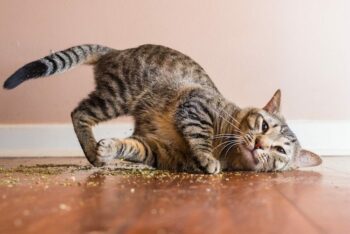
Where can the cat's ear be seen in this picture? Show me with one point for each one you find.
(273, 106)
(307, 159)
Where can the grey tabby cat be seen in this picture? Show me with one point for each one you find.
(182, 122)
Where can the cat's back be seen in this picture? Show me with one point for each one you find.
(153, 64)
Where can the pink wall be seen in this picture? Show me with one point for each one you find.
(249, 48)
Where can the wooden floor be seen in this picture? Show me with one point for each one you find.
(72, 198)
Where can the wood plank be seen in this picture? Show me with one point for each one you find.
(230, 204)
(322, 196)
(89, 201)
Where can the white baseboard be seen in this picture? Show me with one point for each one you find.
(322, 137)
(51, 139)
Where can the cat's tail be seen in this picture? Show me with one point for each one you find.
(56, 63)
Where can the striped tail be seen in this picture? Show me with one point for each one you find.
(57, 63)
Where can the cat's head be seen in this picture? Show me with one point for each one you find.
(267, 143)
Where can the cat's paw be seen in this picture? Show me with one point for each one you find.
(210, 164)
(106, 150)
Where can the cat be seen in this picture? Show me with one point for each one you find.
(182, 122)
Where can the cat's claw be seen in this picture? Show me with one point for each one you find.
(106, 150)
(210, 164)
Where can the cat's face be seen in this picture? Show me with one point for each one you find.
(267, 143)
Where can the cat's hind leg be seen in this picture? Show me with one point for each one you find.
(133, 149)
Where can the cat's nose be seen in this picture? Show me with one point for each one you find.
(258, 144)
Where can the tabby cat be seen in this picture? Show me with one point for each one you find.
(182, 122)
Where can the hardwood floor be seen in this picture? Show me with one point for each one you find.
(60, 195)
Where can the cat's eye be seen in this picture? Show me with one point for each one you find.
(280, 150)
(264, 126)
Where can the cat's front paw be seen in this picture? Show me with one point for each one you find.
(210, 164)
(106, 150)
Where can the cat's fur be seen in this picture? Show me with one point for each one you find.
(182, 122)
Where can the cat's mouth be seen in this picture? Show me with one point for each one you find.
(249, 155)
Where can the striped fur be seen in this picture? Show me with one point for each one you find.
(56, 63)
(182, 122)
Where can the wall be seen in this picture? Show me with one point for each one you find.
(248, 47)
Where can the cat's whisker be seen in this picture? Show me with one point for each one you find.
(221, 139)
(233, 119)
(226, 136)
(228, 139)
(228, 150)
(222, 143)
(227, 143)
(235, 127)
(230, 144)
(219, 113)
(235, 141)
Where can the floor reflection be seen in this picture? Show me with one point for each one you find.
(114, 202)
